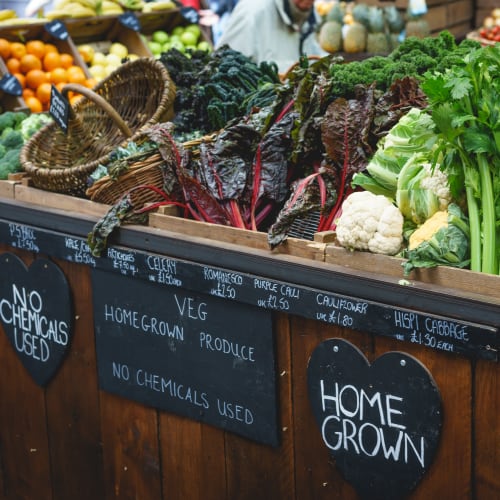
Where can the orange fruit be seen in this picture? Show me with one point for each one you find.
(4, 48)
(51, 60)
(21, 78)
(35, 47)
(60, 86)
(36, 77)
(13, 65)
(33, 104)
(28, 93)
(76, 75)
(29, 62)
(66, 60)
(17, 50)
(90, 83)
(58, 75)
(50, 47)
(43, 92)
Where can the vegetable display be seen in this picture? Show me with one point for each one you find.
(465, 106)
(383, 152)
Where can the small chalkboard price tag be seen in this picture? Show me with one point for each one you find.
(130, 20)
(59, 108)
(36, 314)
(190, 14)
(380, 422)
(57, 29)
(10, 85)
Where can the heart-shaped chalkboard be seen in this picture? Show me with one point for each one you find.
(36, 314)
(381, 422)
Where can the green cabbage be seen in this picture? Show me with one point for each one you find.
(448, 245)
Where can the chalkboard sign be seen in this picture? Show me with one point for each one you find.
(57, 29)
(477, 339)
(10, 85)
(129, 20)
(59, 108)
(380, 422)
(186, 353)
(36, 314)
(190, 14)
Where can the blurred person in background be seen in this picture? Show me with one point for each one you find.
(272, 30)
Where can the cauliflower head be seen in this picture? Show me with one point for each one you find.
(370, 222)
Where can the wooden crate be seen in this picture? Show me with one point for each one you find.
(101, 31)
(34, 31)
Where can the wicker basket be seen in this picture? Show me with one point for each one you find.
(146, 172)
(138, 94)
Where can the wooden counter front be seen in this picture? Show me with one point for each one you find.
(71, 439)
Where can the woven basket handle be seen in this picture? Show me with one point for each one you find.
(100, 101)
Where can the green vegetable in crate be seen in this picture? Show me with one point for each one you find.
(465, 105)
(413, 57)
(422, 190)
(401, 168)
(16, 127)
(441, 240)
(33, 123)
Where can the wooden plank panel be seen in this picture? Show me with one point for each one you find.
(130, 449)
(24, 446)
(316, 475)
(258, 471)
(59, 201)
(73, 403)
(192, 458)
(442, 276)
(487, 430)
(450, 474)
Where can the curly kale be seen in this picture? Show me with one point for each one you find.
(413, 57)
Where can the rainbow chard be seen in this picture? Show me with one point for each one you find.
(465, 106)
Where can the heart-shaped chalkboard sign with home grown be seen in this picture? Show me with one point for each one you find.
(381, 422)
(36, 314)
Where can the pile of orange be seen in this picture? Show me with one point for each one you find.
(39, 65)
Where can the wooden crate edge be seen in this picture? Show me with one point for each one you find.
(442, 276)
(59, 201)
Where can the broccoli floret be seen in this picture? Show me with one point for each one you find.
(2, 151)
(12, 139)
(11, 119)
(10, 163)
